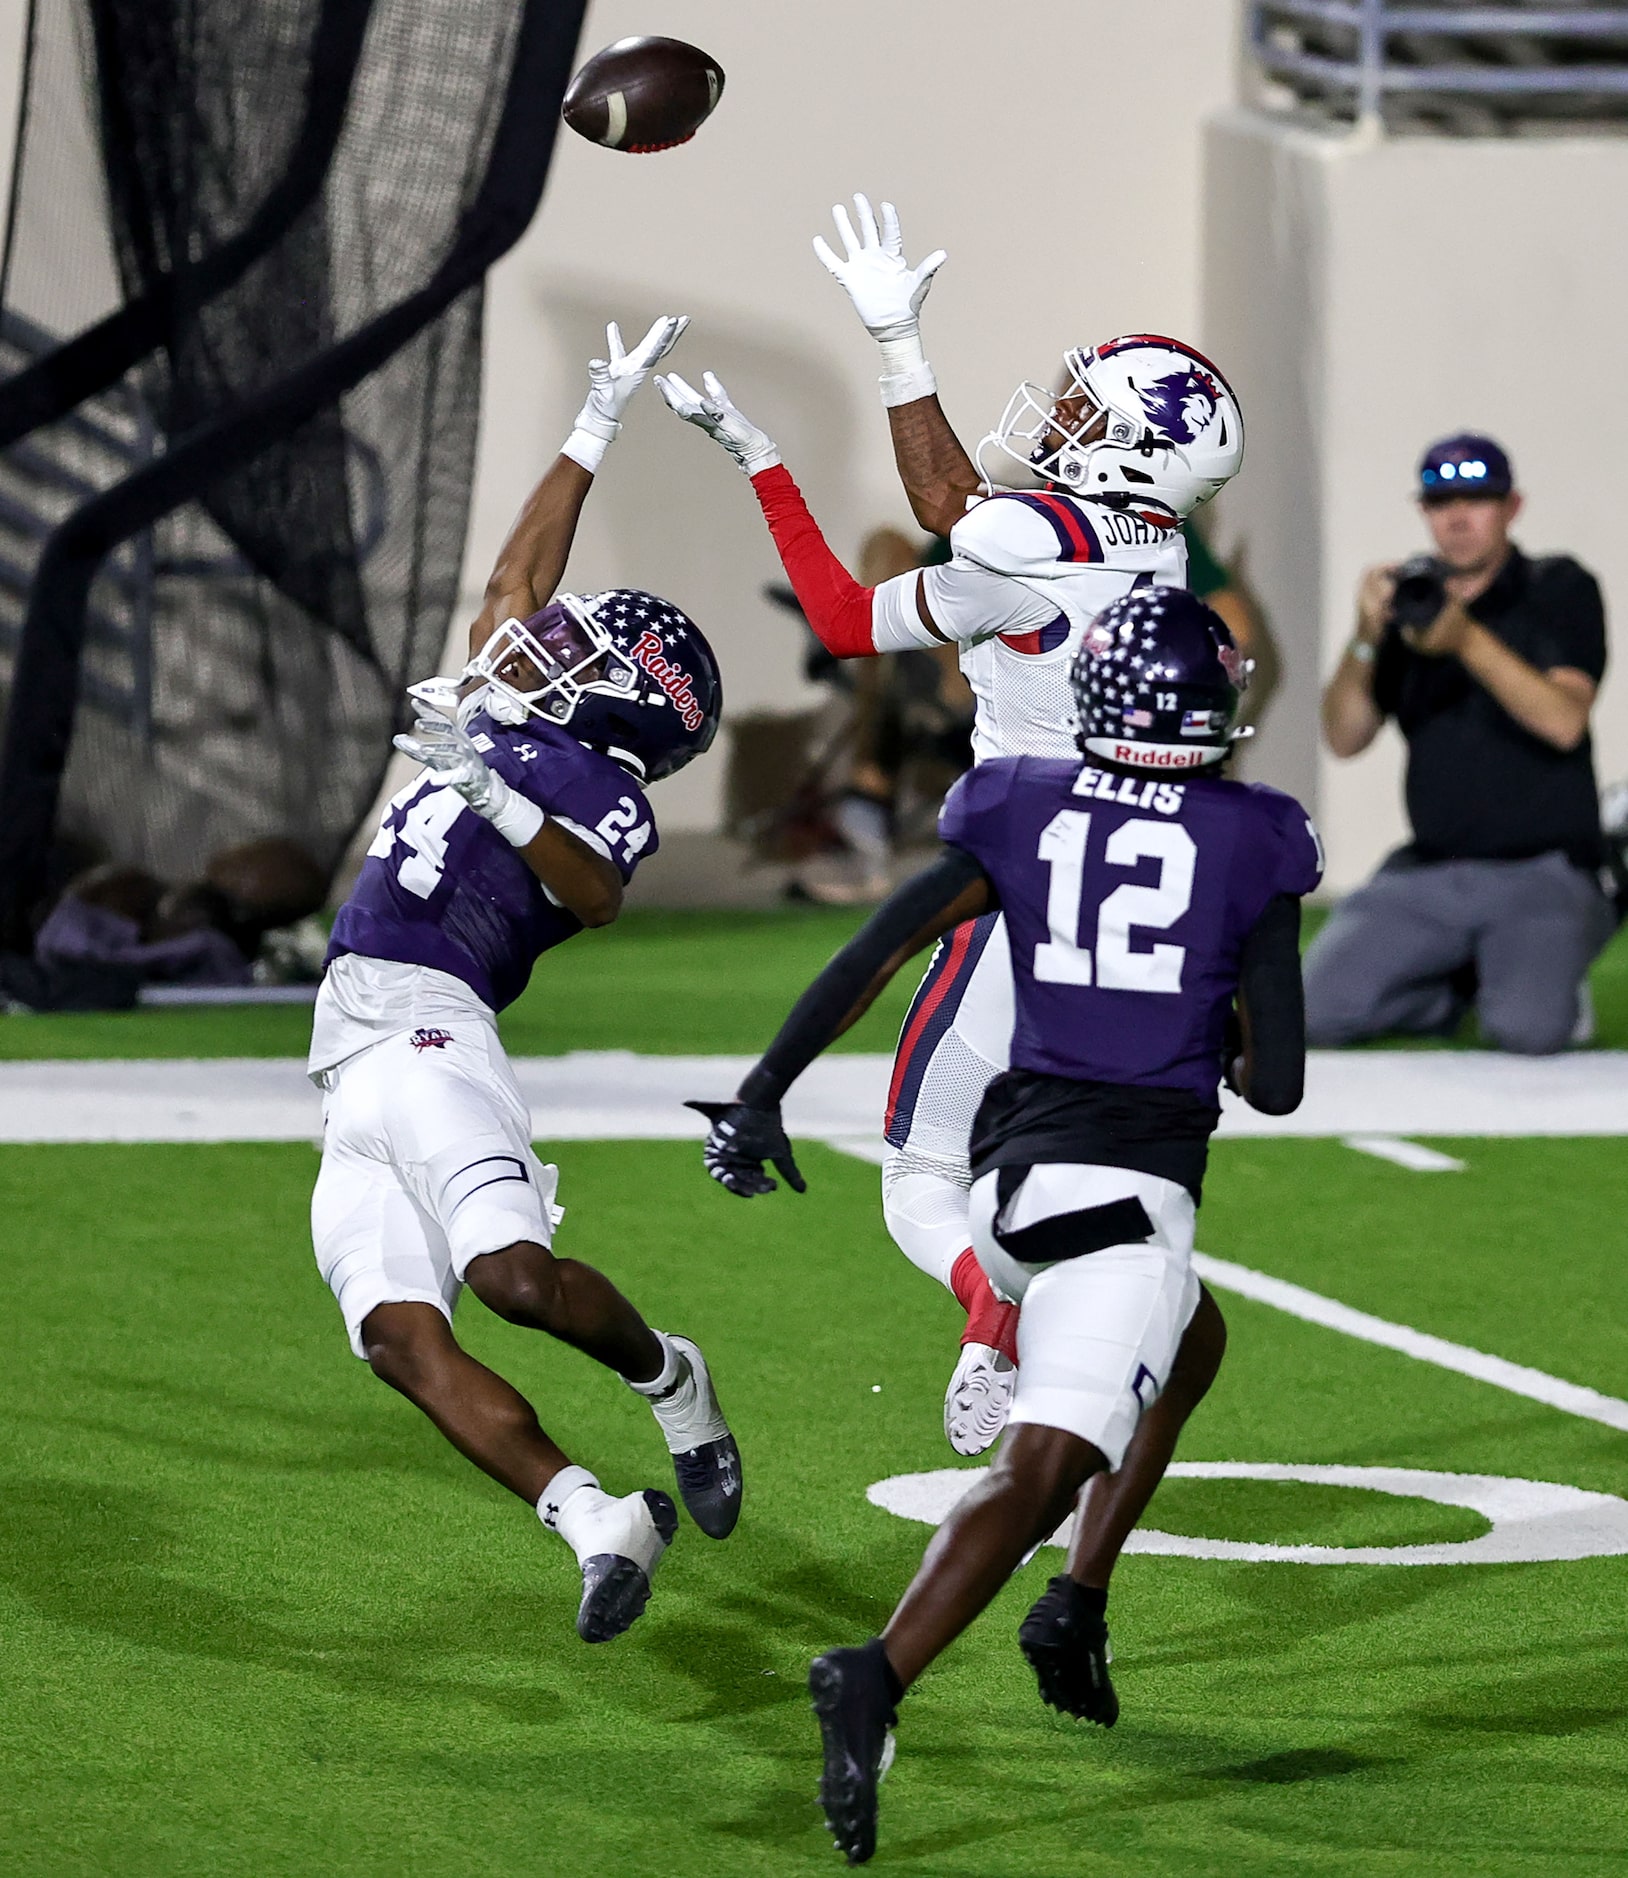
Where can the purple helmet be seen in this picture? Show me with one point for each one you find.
(1157, 682)
(624, 671)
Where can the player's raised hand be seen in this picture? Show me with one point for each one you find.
(739, 1141)
(454, 698)
(448, 752)
(713, 411)
(886, 290)
(612, 381)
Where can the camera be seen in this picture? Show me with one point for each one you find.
(1420, 595)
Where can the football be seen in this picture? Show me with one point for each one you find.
(644, 94)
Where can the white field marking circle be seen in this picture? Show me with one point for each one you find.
(1531, 1520)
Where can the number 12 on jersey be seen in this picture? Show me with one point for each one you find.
(1110, 963)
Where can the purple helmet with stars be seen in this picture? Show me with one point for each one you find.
(624, 671)
(1157, 682)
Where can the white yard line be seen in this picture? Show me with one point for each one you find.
(1413, 1155)
(1311, 1306)
(596, 1095)
(1366, 1098)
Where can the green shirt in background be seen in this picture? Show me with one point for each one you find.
(1205, 574)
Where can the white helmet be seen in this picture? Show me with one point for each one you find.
(1137, 418)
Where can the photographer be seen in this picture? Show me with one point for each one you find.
(1489, 662)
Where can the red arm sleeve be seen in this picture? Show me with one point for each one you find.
(837, 607)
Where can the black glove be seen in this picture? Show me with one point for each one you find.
(740, 1140)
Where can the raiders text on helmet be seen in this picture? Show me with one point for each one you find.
(1157, 682)
(624, 671)
(1138, 419)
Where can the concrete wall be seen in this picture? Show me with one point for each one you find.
(1021, 141)
(1367, 296)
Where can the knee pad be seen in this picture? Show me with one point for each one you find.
(924, 1203)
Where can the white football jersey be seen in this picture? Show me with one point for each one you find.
(1028, 573)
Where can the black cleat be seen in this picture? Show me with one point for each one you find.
(616, 1582)
(854, 1701)
(709, 1484)
(706, 1461)
(1068, 1649)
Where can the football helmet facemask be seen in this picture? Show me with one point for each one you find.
(1137, 419)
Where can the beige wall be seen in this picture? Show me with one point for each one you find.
(1368, 296)
(1055, 151)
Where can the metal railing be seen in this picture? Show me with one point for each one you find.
(1516, 60)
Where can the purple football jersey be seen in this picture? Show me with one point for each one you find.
(441, 887)
(1127, 901)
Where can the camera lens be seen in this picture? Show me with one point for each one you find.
(1420, 593)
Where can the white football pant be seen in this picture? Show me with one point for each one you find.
(957, 1037)
(1097, 1334)
(426, 1164)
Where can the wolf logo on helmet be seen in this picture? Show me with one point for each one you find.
(1180, 404)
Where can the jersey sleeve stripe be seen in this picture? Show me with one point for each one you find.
(1045, 638)
(1076, 538)
(931, 1014)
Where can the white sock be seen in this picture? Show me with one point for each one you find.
(562, 1508)
(672, 1362)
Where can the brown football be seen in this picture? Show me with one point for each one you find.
(644, 94)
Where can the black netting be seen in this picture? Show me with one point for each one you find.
(244, 656)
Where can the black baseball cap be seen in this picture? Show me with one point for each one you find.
(1466, 465)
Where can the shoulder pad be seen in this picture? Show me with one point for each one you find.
(1022, 533)
(1303, 859)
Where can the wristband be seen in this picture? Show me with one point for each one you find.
(584, 448)
(515, 817)
(765, 457)
(906, 375)
(901, 348)
(1361, 651)
(908, 387)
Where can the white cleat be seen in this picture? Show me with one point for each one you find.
(619, 1544)
(979, 1398)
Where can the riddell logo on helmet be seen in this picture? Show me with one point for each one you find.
(673, 679)
(1160, 757)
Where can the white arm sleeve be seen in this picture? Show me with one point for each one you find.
(967, 603)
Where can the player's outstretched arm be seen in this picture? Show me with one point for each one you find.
(747, 1132)
(584, 883)
(850, 620)
(532, 560)
(887, 294)
(1270, 1071)
(836, 606)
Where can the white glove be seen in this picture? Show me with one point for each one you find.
(611, 385)
(446, 697)
(751, 448)
(887, 293)
(449, 753)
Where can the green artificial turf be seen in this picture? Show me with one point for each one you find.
(671, 983)
(256, 1618)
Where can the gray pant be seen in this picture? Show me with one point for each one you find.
(1407, 952)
